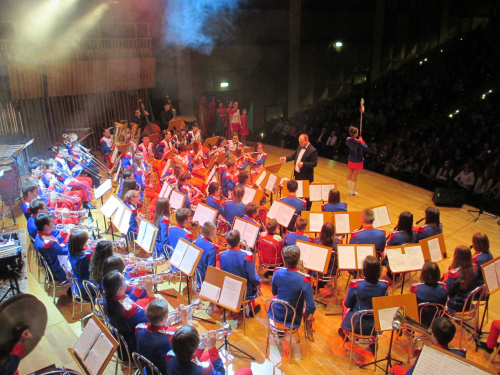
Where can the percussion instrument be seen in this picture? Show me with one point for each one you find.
(9, 182)
(23, 311)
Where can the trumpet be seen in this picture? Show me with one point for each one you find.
(66, 213)
(69, 227)
(57, 197)
(220, 333)
(156, 278)
(116, 244)
(174, 317)
(149, 263)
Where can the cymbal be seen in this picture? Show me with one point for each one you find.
(22, 310)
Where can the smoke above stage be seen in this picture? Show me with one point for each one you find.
(195, 24)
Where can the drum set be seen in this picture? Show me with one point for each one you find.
(10, 186)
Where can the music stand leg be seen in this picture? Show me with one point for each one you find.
(226, 344)
(403, 282)
(188, 290)
(387, 358)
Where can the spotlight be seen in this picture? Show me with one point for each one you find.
(338, 44)
(224, 84)
(421, 62)
(425, 59)
(450, 115)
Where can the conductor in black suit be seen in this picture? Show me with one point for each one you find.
(305, 159)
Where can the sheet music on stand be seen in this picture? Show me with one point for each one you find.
(316, 220)
(103, 188)
(110, 206)
(434, 248)
(405, 258)
(121, 218)
(210, 176)
(177, 200)
(434, 360)
(114, 155)
(351, 257)
(491, 275)
(204, 213)
(282, 212)
(166, 189)
(94, 348)
(249, 195)
(319, 192)
(146, 238)
(261, 177)
(346, 222)
(117, 174)
(315, 257)
(249, 232)
(272, 182)
(186, 257)
(382, 217)
(223, 288)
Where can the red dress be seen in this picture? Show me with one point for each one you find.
(243, 126)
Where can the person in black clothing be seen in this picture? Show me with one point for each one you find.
(140, 119)
(166, 115)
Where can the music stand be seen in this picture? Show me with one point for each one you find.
(215, 280)
(385, 307)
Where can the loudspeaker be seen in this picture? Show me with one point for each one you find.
(449, 197)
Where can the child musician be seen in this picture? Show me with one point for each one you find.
(229, 178)
(193, 196)
(194, 135)
(235, 208)
(29, 192)
(258, 160)
(210, 249)
(292, 237)
(107, 146)
(179, 231)
(240, 263)
(432, 224)
(334, 204)
(292, 200)
(166, 144)
(234, 143)
(214, 192)
(153, 338)
(141, 174)
(132, 199)
(161, 220)
(242, 159)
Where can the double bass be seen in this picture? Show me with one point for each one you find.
(151, 129)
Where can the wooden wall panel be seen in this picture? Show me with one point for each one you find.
(148, 72)
(26, 81)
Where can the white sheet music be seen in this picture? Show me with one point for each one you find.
(110, 206)
(271, 182)
(117, 217)
(166, 189)
(396, 260)
(346, 257)
(497, 269)
(381, 217)
(125, 222)
(115, 177)
(416, 257)
(316, 221)
(248, 232)
(305, 250)
(189, 260)
(167, 165)
(146, 241)
(300, 189)
(98, 354)
(203, 214)
(435, 250)
(103, 188)
(176, 200)
(249, 195)
(281, 212)
(363, 252)
(342, 223)
(64, 261)
(315, 193)
(87, 339)
(325, 191)
(317, 258)
(490, 276)
(211, 175)
(230, 294)
(179, 251)
(431, 361)
(142, 231)
(210, 291)
(261, 178)
(385, 318)
(114, 155)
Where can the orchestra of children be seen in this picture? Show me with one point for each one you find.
(55, 193)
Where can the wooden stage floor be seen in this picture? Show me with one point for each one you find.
(326, 355)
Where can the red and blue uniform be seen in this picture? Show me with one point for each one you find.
(369, 235)
(26, 209)
(432, 293)
(50, 247)
(139, 177)
(153, 342)
(297, 203)
(334, 207)
(13, 359)
(127, 161)
(178, 367)
(124, 314)
(164, 146)
(427, 231)
(162, 237)
(208, 257)
(359, 297)
(132, 227)
(107, 148)
(457, 295)
(268, 254)
(240, 263)
(80, 264)
(233, 209)
(192, 136)
(292, 237)
(228, 182)
(355, 158)
(214, 202)
(295, 288)
(479, 259)
(397, 238)
(176, 233)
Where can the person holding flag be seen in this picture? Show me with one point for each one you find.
(355, 158)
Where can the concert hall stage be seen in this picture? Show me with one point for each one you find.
(326, 355)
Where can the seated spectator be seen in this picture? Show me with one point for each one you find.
(465, 179)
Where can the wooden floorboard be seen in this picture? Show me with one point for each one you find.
(326, 355)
